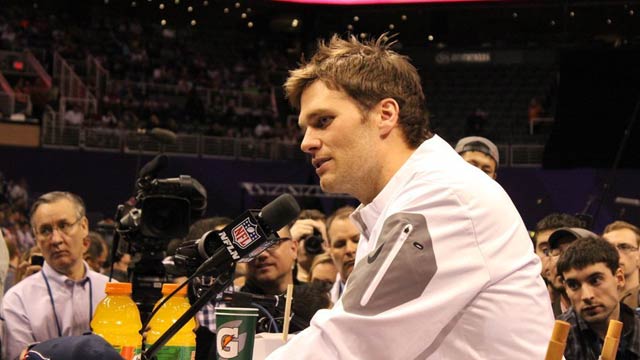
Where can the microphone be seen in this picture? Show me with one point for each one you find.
(160, 135)
(163, 136)
(244, 299)
(627, 201)
(307, 300)
(242, 240)
(611, 341)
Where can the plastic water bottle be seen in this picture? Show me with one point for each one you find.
(182, 345)
(117, 320)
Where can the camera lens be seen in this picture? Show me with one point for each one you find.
(313, 243)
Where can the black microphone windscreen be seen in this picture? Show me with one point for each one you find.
(154, 166)
(280, 211)
(163, 135)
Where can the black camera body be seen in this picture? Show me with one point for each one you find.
(313, 243)
(162, 210)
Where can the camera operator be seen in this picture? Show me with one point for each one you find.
(309, 232)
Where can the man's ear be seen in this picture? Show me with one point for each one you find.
(84, 225)
(619, 274)
(293, 247)
(389, 115)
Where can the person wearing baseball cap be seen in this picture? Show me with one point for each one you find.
(481, 153)
(80, 347)
(559, 240)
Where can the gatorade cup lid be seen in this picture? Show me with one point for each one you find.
(168, 288)
(114, 288)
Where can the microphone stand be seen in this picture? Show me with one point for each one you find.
(221, 283)
(606, 187)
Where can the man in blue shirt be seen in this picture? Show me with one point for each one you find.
(60, 299)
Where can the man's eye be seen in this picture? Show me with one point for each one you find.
(323, 121)
(596, 281)
(573, 286)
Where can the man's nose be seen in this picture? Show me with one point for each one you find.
(352, 247)
(56, 236)
(310, 141)
(587, 293)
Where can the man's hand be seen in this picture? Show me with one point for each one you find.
(25, 269)
(305, 227)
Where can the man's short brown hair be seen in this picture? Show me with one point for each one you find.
(619, 225)
(368, 72)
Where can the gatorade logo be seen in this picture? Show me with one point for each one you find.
(229, 341)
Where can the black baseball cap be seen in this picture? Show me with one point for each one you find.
(88, 346)
(569, 233)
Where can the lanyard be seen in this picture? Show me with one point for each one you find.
(53, 304)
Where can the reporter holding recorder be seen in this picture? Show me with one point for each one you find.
(444, 267)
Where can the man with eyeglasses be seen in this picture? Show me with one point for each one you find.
(271, 271)
(543, 230)
(59, 300)
(626, 238)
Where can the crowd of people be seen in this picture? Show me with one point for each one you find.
(316, 253)
(159, 77)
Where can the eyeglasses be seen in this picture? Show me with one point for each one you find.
(276, 244)
(626, 247)
(64, 227)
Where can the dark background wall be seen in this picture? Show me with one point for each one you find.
(105, 180)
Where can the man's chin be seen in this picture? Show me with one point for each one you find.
(62, 266)
(328, 184)
(595, 318)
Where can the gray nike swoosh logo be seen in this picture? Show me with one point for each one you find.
(372, 257)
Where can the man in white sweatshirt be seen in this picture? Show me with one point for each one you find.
(444, 267)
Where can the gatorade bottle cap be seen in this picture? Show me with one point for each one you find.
(168, 288)
(114, 288)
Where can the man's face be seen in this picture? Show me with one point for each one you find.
(61, 235)
(552, 269)
(482, 161)
(627, 244)
(344, 236)
(274, 265)
(325, 272)
(544, 252)
(96, 265)
(593, 292)
(342, 144)
(123, 264)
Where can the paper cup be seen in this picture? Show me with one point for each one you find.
(235, 333)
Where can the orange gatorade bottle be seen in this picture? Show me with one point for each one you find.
(182, 345)
(117, 320)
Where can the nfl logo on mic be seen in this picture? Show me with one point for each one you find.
(245, 233)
